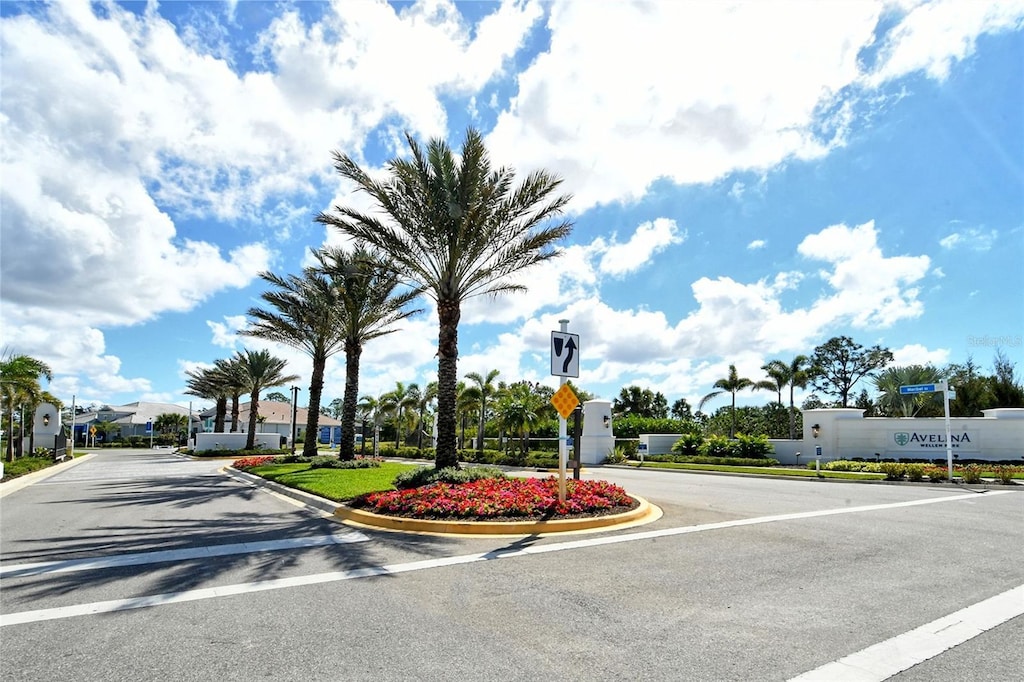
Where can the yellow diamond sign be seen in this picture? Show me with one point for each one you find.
(565, 401)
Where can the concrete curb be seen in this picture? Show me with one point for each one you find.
(645, 513)
(15, 484)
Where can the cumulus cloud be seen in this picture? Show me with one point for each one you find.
(649, 239)
(756, 244)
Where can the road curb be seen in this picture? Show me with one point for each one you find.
(643, 514)
(15, 484)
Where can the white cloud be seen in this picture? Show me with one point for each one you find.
(756, 244)
(972, 238)
(648, 240)
(917, 354)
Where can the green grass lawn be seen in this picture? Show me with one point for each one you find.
(334, 484)
(769, 471)
(25, 465)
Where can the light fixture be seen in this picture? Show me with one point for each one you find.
(815, 430)
(606, 420)
(46, 419)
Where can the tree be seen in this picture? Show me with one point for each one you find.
(793, 374)
(482, 392)
(642, 402)
(730, 384)
(892, 403)
(455, 227)
(371, 305)
(839, 363)
(396, 402)
(681, 410)
(207, 383)
(263, 371)
(278, 397)
(304, 313)
(520, 409)
(335, 407)
(1006, 390)
(973, 389)
(424, 401)
(234, 381)
(171, 422)
(19, 383)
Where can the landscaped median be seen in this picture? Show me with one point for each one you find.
(477, 501)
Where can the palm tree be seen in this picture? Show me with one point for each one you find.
(233, 380)
(19, 383)
(370, 307)
(482, 392)
(893, 404)
(424, 401)
(454, 227)
(263, 371)
(397, 401)
(730, 384)
(304, 313)
(371, 409)
(170, 422)
(794, 375)
(520, 409)
(208, 383)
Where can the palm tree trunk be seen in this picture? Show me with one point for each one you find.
(347, 448)
(218, 417)
(792, 415)
(316, 388)
(448, 313)
(732, 411)
(254, 408)
(10, 433)
(234, 412)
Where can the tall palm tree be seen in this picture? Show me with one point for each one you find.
(730, 384)
(304, 313)
(794, 374)
(455, 227)
(19, 383)
(371, 305)
(482, 391)
(233, 380)
(424, 400)
(263, 371)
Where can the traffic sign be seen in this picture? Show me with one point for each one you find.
(149, 426)
(92, 430)
(914, 389)
(565, 354)
(565, 401)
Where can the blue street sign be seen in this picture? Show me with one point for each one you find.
(149, 427)
(918, 388)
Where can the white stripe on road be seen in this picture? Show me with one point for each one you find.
(335, 576)
(885, 659)
(115, 561)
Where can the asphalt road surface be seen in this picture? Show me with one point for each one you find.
(142, 565)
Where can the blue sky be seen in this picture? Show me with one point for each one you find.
(749, 180)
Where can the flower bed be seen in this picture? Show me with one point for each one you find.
(497, 499)
(248, 462)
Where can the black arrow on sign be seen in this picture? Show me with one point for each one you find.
(571, 347)
(558, 346)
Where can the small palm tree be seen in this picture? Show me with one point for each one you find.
(424, 401)
(19, 383)
(730, 384)
(894, 404)
(455, 227)
(206, 383)
(482, 391)
(793, 374)
(263, 371)
(520, 410)
(397, 402)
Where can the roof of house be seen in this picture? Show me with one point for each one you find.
(138, 412)
(276, 413)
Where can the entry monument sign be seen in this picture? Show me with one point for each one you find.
(947, 393)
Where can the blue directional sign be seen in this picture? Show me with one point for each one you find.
(918, 388)
(149, 426)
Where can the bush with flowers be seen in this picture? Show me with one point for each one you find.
(496, 498)
(248, 462)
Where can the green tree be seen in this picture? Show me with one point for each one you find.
(891, 403)
(278, 397)
(397, 402)
(455, 227)
(372, 304)
(1007, 391)
(263, 371)
(482, 391)
(19, 383)
(424, 401)
(520, 409)
(730, 384)
(973, 389)
(335, 407)
(839, 363)
(207, 383)
(234, 381)
(642, 402)
(171, 423)
(681, 410)
(792, 375)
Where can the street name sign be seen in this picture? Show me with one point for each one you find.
(914, 389)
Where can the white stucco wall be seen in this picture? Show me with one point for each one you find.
(598, 437)
(235, 441)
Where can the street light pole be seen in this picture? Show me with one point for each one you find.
(295, 401)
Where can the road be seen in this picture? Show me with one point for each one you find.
(141, 565)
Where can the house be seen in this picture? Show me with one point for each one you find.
(131, 419)
(273, 417)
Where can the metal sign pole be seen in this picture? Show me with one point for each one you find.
(562, 429)
(949, 444)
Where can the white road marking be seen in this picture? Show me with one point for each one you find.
(885, 659)
(335, 576)
(139, 558)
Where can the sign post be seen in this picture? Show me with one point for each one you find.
(947, 392)
(149, 430)
(565, 362)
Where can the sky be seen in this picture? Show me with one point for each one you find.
(749, 180)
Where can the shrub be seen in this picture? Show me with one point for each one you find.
(893, 471)
(971, 473)
(617, 455)
(688, 445)
(936, 474)
(915, 472)
(1004, 474)
(332, 462)
(428, 475)
(851, 465)
(752, 447)
(248, 462)
(726, 461)
(294, 458)
(718, 446)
